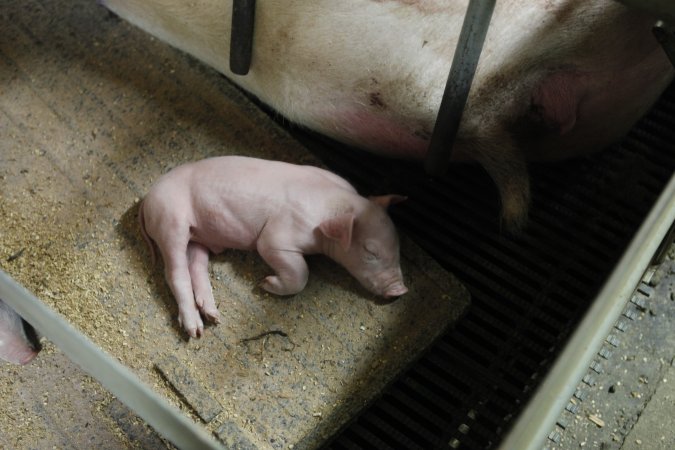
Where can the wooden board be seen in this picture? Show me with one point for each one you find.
(92, 111)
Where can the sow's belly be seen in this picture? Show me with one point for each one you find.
(372, 72)
(555, 79)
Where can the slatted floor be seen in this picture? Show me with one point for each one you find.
(528, 292)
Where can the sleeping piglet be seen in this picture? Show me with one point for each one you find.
(282, 210)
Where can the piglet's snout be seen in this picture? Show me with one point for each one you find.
(396, 290)
(390, 284)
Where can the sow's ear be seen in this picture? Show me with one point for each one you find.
(387, 200)
(339, 229)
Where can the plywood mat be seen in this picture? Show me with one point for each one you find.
(92, 111)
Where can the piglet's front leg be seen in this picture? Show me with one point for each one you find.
(291, 271)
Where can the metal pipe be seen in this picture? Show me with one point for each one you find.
(666, 36)
(541, 413)
(660, 9)
(164, 418)
(462, 71)
(241, 36)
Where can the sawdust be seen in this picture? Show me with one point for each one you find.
(42, 247)
(99, 279)
(84, 131)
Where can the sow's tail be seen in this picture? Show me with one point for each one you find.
(150, 242)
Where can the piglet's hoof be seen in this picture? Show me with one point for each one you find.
(208, 310)
(194, 327)
(274, 285)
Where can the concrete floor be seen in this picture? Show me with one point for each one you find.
(627, 398)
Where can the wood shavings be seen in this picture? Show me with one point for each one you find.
(74, 213)
(596, 420)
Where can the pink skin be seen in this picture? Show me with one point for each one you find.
(556, 79)
(14, 345)
(283, 211)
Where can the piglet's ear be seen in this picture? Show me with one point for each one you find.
(387, 200)
(339, 229)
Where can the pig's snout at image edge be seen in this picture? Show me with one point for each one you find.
(18, 342)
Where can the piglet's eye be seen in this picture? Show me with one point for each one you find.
(371, 250)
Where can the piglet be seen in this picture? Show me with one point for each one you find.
(18, 342)
(284, 211)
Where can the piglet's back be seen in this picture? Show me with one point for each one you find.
(224, 202)
(248, 178)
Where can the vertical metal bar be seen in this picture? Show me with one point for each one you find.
(666, 36)
(660, 9)
(464, 62)
(241, 36)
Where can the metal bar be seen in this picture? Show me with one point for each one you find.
(539, 417)
(165, 419)
(666, 37)
(462, 71)
(241, 36)
(660, 9)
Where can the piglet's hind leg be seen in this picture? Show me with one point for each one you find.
(198, 257)
(178, 277)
